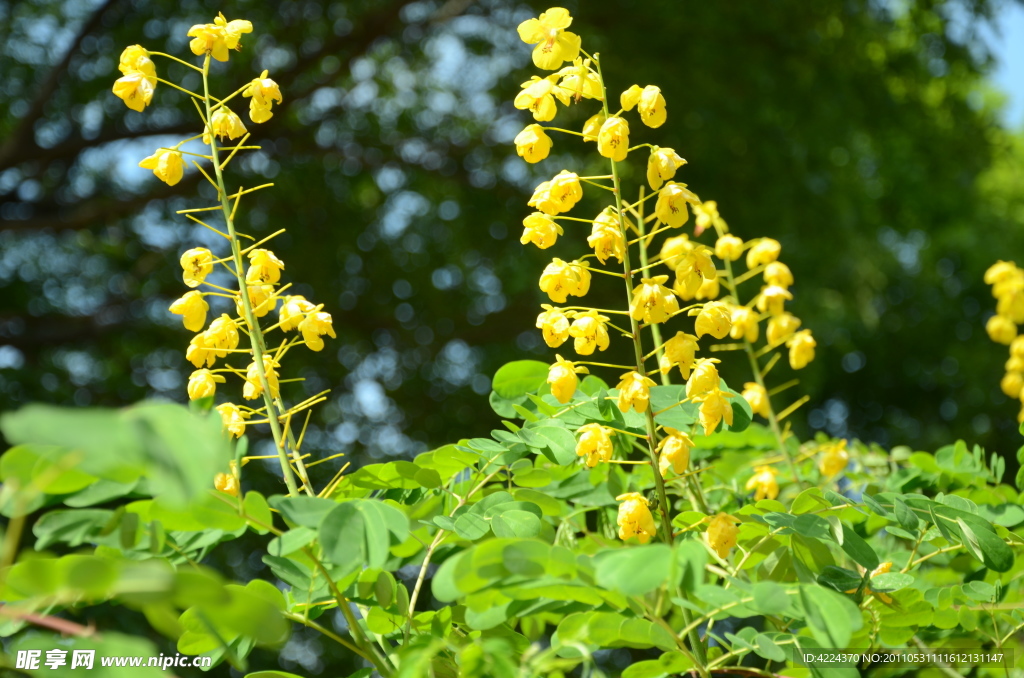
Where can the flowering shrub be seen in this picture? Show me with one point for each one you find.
(648, 529)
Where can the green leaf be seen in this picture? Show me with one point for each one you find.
(303, 510)
(554, 442)
(343, 537)
(840, 579)
(832, 618)
(272, 674)
(891, 581)
(769, 598)
(905, 515)
(691, 559)
(668, 664)
(634, 571)
(860, 551)
(258, 512)
(517, 378)
(985, 545)
(516, 523)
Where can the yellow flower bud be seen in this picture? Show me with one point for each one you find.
(200, 351)
(222, 335)
(264, 93)
(203, 383)
(704, 378)
(763, 483)
(554, 44)
(673, 250)
(709, 289)
(744, 324)
(292, 311)
(595, 444)
(1000, 271)
(233, 419)
(537, 96)
(722, 533)
(652, 107)
(772, 299)
(671, 206)
(1014, 364)
(218, 38)
(653, 302)
(764, 251)
(1017, 347)
(224, 123)
(192, 307)
(580, 81)
(166, 164)
(227, 483)
(558, 195)
(313, 327)
(590, 332)
(532, 144)
(728, 248)
(634, 391)
(553, 325)
(541, 230)
(253, 385)
(261, 298)
(1012, 384)
(757, 397)
(714, 407)
(697, 260)
(630, 97)
(560, 279)
(264, 267)
(1011, 302)
(613, 139)
(781, 327)
(196, 264)
(715, 319)
(674, 452)
(592, 127)
(562, 378)
(1001, 329)
(707, 216)
(801, 349)
(137, 84)
(136, 58)
(635, 519)
(606, 237)
(778, 274)
(834, 459)
(679, 350)
(662, 166)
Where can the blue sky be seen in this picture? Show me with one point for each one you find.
(1009, 49)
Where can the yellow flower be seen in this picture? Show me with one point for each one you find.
(553, 325)
(772, 299)
(764, 251)
(264, 267)
(553, 43)
(1017, 347)
(653, 302)
(1015, 364)
(217, 38)
(562, 378)
(1001, 329)
(634, 391)
(715, 319)
(224, 123)
(674, 452)
(541, 230)
(834, 459)
(200, 351)
(580, 81)
(649, 102)
(1012, 383)
(709, 289)
(714, 407)
(781, 327)
(253, 387)
(744, 324)
(707, 215)
(558, 195)
(764, 483)
(538, 97)
(1000, 271)
(613, 139)
(722, 533)
(315, 325)
(592, 127)
(196, 264)
(532, 144)
(166, 164)
(695, 265)
(679, 350)
(222, 335)
(293, 310)
(136, 58)
(261, 298)
(1011, 300)
(757, 397)
(226, 483)
(192, 307)
(662, 166)
(728, 248)
(674, 249)
(233, 419)
(560, 279)
(203, 384)
(135, 89)
(635, 519)
(778, 274)
(264, 93)
(704, 378)
(671, 206)
(801, 349)
(606, 236)
(595, 444)
(590, 332)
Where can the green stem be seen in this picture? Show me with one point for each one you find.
(255, 334)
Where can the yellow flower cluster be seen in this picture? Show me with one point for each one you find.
(1007, 281)
(722, 533)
